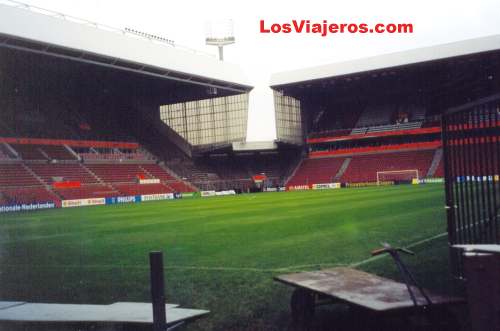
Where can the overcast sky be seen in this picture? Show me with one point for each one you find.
(435, 22)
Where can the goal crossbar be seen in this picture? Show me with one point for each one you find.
(413, 172)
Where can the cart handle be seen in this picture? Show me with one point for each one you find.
(389, 249)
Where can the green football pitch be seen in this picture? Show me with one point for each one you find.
(222, 252)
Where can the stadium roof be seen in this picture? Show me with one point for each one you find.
(419, 55)
(55, 34)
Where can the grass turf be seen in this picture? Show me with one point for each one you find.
(220, 253)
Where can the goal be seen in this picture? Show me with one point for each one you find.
(396, 175)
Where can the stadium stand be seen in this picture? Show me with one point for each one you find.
(156, 171)
(179, 186)
(375, 115)
(51, 173)
(87, 192)
(28, 195)
(29, 152)
(117, 173)
(16, 175)
(316, 171)
(65, 172)
(113, 155)
(136, 189)
(58, 152)
(364, 168)
(3, 155)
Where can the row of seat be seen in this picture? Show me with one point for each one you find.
(316, 171)
(27, 195)
(62, 152)
(32, 181)
(40, 194)
(362, 168)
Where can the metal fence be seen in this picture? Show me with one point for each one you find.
(471, 146)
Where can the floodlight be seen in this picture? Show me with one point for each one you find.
(220, 33)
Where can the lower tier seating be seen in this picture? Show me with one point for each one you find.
(67, 172)
(27, 195)
(179, 186)
(116, 173)
(316, 171)
(364, 168)
(16, 175)
(140, 189)
(439, 170)
(157, 172)
(87, 192)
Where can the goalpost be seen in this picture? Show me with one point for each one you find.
(395, 175)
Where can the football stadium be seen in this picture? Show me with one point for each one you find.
(116, 144)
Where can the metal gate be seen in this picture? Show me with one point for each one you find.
(471, 146)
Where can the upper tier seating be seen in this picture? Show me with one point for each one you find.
(16, 175)
(389, 118)
(316, 171)
(68, 172)
(376, 115)
(364, 168)
(5, 154)
(395, 127)
(138, 156)
(29, 152)
(57, 152)
(330, 133)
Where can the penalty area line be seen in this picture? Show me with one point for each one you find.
(293, 268)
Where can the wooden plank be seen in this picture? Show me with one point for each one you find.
(122, 312)
(8, 304)
(494, 249)
(361, 289)
(131, 305)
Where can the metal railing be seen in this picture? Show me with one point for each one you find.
(471, 151)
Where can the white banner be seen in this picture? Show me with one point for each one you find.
(83, 202)
(207, 193)
(298, 187)
(149, 181)
(31, 206)
(155, 197)
(228, 192)
(325, 186)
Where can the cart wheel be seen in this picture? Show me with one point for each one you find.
(302, 306)
(443, 319)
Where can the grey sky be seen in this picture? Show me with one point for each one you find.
(184, 21)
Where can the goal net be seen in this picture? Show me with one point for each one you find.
(397, 175)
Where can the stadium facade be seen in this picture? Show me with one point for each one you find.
(96, 115)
